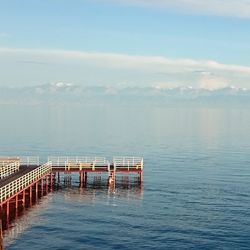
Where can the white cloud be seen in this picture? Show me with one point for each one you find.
(235, 8)
(124, 61)
(108, 68)
(211, 82)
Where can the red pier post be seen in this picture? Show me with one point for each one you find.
(16, 202)
(24, 198)
(17, 206)
(30, 195)
(51, 182)
(42, 191)
(47, 184)
(7, 214)
(36, 190)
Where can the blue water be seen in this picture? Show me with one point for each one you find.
(196, 190)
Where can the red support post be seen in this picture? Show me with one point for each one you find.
(16, 202)
(51, 182)
(24, 198)
(30, 195)
(42, 187)
(36, 190)
(47, 184)
(16, 206)
(7, 213)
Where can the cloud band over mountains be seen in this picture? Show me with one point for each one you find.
(35, 66)
(231, 8)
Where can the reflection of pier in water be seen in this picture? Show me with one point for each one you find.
(26, 219)
(126, 187)
(98, 180)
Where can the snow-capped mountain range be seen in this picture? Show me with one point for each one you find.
(71, 92)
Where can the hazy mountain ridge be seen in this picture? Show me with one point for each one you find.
(66, 92)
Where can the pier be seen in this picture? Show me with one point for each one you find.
(23, 180)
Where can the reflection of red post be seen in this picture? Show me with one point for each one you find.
(81, 179)
(42, 187)
(141, 180)
(141, 176)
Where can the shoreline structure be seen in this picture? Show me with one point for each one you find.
(23, 180)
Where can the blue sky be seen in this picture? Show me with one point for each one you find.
(190, 30)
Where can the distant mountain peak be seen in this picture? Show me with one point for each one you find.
(61, 84)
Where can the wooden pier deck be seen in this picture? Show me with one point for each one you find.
(12, 177)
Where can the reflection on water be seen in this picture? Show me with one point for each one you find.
(196, 177)
(28, 218)
(125, 187)
(68, 189)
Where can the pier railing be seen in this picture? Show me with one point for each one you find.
(81, 162)
(24, 160)
(8, 168)
(29, 160)
(128, 163)
(6, 160)
(22, 182)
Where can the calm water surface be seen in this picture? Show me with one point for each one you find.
(196, 191)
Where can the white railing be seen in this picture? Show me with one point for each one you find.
(24, 160)
(128, 162)
(29, 160)
(7, 159)
(17, 185)
(8, 168)
(79, 161)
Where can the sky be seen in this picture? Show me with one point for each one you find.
(161, 43)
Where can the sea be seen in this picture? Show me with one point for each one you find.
(196, 188)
